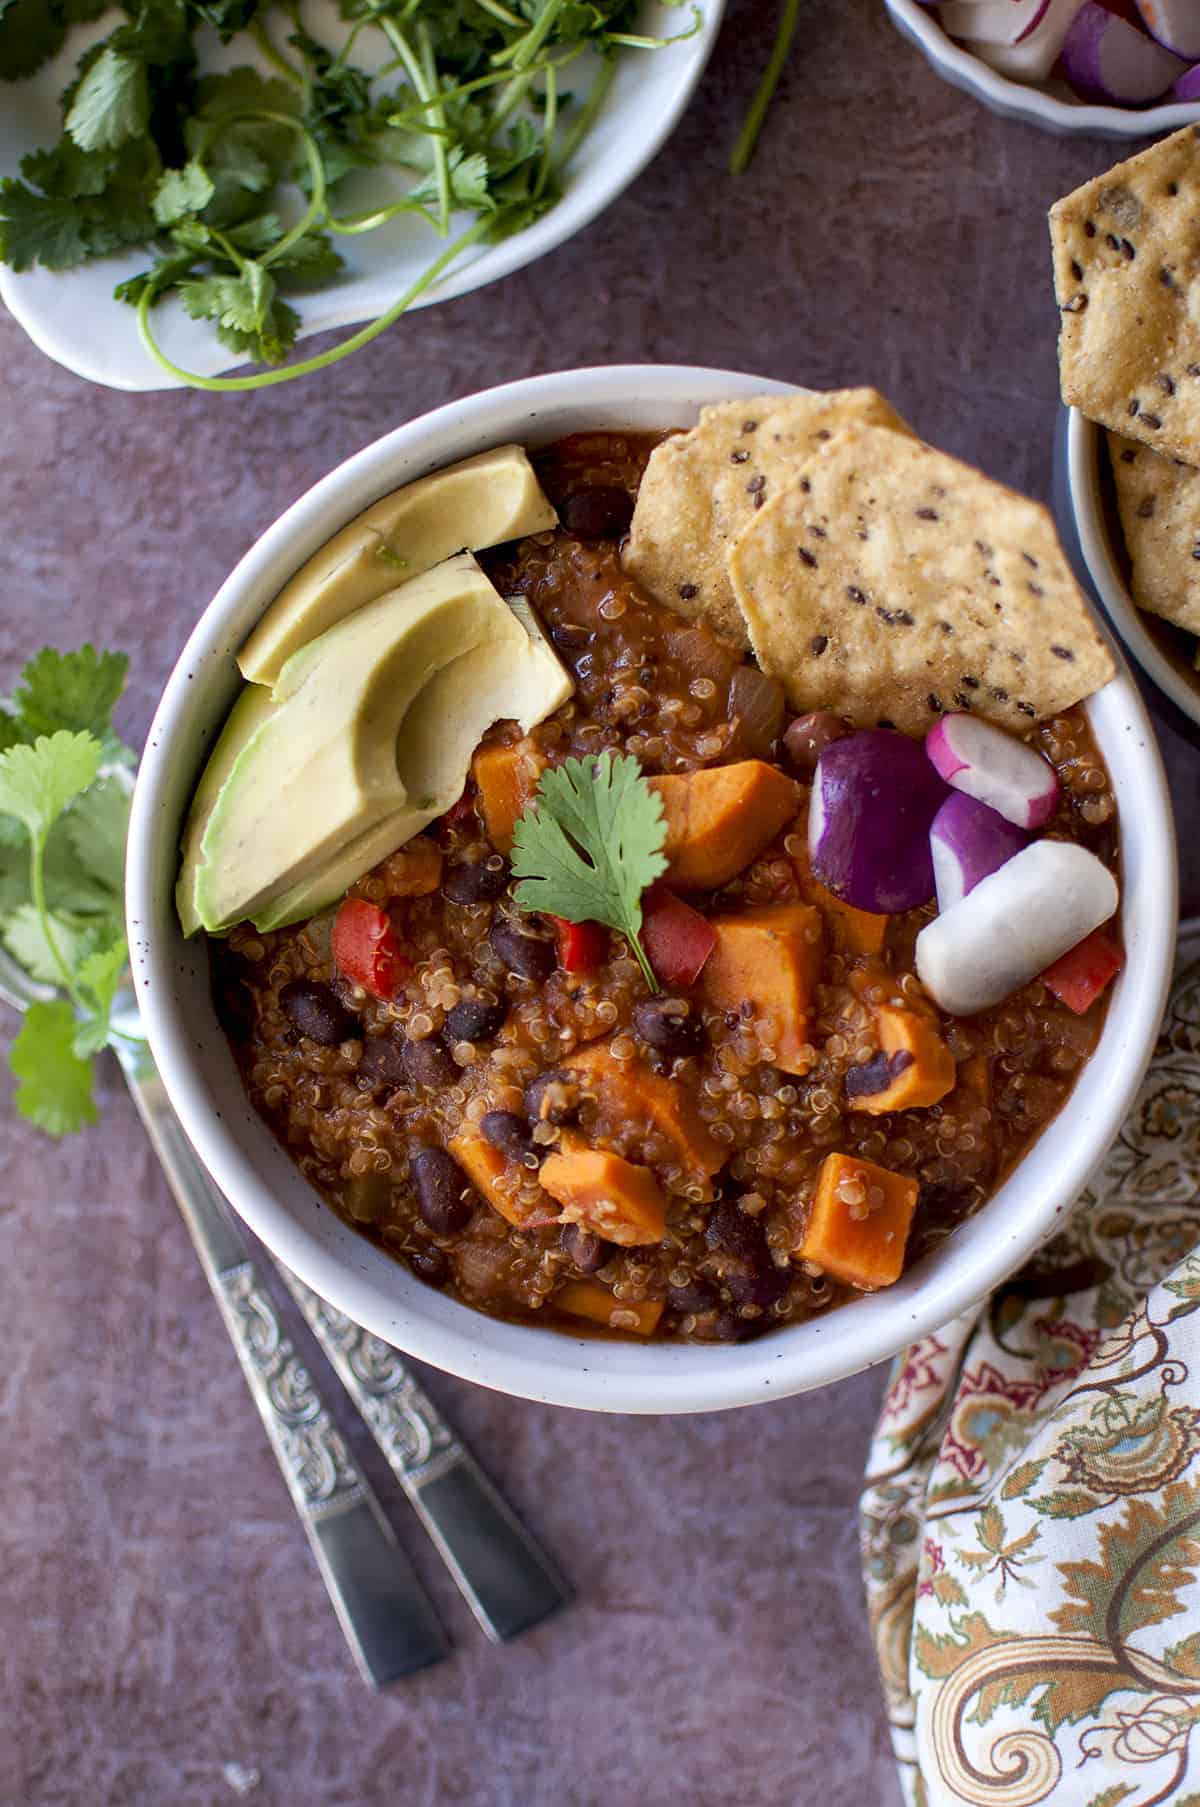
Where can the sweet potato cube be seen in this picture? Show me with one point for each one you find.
(853, 932)
(975, 1079)
(488, 1171)
(771, 956)
(914, 1067)
(630, 1093)
(588, 1299)
(720, 818)
(414, 870)
(506, 777)
(607, 1194)
(859, 1222)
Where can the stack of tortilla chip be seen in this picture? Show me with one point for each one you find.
(1125, 264)
(872, 575)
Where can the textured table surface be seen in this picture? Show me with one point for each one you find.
(160, 1618)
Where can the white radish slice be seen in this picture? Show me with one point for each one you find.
(1033, 56)
(1013, 925)
(986, 763)
(1105, 58)
(968, 842)
(991, 21)
(1175, 24)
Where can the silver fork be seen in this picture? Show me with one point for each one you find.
(508, 1582)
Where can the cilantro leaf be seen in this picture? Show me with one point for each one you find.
(182, 191)
(75, 690)
(100, 975)
(55, 1089)
(41, 229)
(37, 782)
(26, 935)
(97, 826)
(111, 104)
(590, 845)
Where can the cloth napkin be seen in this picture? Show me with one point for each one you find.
(1030, 1520)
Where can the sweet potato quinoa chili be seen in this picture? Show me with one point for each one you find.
(498, 1096)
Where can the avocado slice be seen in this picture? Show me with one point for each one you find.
(518, 679)
(247, 716)
(321, 771)
(481, 502)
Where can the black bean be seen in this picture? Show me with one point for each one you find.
(696, 1298)
(233, 999)
(587, 1250)
(732, 1233)
(552, 1097)
(429, 1063)
(743, 1263)
(383, 1060)
(444, 1198)
(662, 1024)
(474, 1021)
(430, 1265)
(729, 1327)
(524, 951)
(316, 1011)
(602, 512)
(507, 1132)
(475, 881)
(809, 735)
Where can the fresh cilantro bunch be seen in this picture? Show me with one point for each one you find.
(590, 845)
(470, 109)
(64, 814)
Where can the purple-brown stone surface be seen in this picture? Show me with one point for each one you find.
(161, 1615)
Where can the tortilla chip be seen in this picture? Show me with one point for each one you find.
(1159, 503)
(891, 583)
(1125, 275)
(702, 487)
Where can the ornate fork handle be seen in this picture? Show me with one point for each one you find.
(505, 1577)
(384, 1612)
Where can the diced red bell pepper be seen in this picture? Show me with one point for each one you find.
(365, 948)
(582, 946)
(1078, 978)
(677, 939)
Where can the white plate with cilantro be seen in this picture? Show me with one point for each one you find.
(439, 149)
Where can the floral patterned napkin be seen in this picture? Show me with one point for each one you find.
(1031, 1512)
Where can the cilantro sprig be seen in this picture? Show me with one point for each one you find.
(64, 814)
(470, 108)
(590, 844)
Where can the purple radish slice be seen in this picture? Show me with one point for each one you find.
(1105, 58)
(1001, 771)
(1188, 85)
(874, 797)
(1013, 925)
(969, 841)
(1175, 24)
(1034, 55)
(991, 21)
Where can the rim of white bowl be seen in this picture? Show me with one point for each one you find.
(1084, 442)
(544, 1365)
(1026, 100)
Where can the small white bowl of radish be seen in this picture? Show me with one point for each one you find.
(1108, 68)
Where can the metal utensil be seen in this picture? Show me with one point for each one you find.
(382, 1607)
(508, 1582)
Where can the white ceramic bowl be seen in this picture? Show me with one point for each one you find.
(257, 1176)
(1164, 653)
(1050, 105)
(73, 318)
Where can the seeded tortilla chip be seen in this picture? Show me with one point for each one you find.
(1159, 503)
(1125, 274)
(891, 583)
(703, 487)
